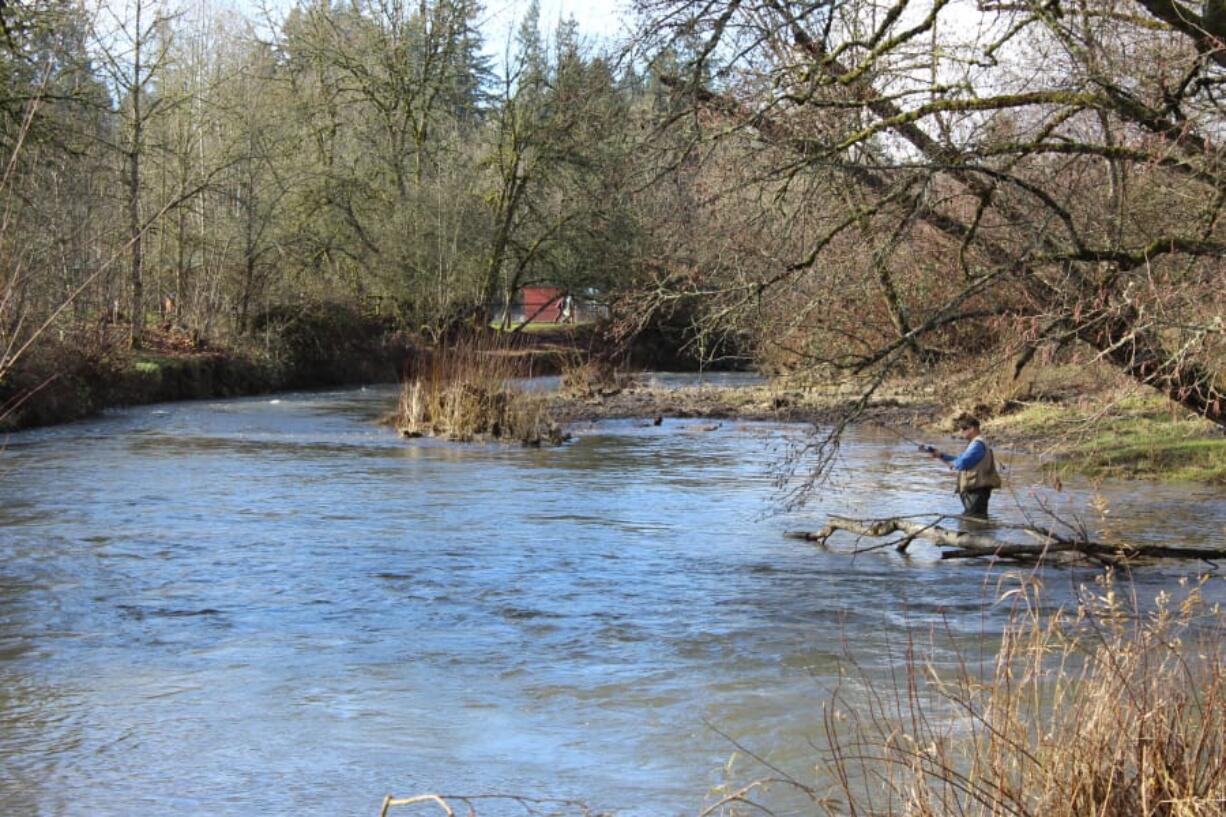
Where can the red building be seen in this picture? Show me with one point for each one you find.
(542, 304)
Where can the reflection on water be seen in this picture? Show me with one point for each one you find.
(277, 607)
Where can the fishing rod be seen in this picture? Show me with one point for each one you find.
(923, 447)
(927, 449)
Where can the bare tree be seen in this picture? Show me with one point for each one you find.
(1043, 172)
(135, 51)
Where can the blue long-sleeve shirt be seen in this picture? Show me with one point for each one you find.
(969, 458)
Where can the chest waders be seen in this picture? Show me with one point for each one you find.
(975, 485)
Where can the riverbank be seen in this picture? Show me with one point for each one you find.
(83, 372)
(75, 377)
(1122, 434)
(1085, 426)
(899, 403)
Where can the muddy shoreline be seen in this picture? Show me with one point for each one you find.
(762, 402)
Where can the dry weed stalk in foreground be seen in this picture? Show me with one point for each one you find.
(467, 391)
(1103, 711)
(529, 806)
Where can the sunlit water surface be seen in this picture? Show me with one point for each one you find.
(275, 606)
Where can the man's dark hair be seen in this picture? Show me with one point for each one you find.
(966, 421)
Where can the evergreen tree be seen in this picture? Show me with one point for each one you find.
(470, 72)
(530, 68)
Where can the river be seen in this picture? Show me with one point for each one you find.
(275, 606)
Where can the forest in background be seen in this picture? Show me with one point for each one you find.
(189, 166)
(850, 189)
(179, 176)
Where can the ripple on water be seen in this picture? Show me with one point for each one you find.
(247, 607)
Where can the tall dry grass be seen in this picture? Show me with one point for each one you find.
(467, 390)
(1102, 710)
(590, 377)
(1105, 710)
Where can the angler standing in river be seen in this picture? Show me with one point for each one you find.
(976, 467)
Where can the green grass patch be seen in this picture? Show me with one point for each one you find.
(1179, 450)
(153, 364)
(539, 326)
(1038, 420)
(1139, 436)
(149, 365)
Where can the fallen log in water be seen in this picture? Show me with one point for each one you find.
(1049, 545)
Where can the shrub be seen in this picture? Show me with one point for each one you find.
(467, 390)
(593, 378)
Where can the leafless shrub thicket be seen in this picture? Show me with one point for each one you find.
(891, 186)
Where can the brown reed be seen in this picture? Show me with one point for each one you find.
(468, 389)
(1106, 710)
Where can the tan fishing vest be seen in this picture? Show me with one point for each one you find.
(983, 475)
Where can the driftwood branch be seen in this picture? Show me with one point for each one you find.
(1049, 545)
(390, 801)
(531, 806)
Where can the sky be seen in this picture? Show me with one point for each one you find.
(598, 19)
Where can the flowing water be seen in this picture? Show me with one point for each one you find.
(275, 606)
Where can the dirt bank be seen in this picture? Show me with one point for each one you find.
(66, 381)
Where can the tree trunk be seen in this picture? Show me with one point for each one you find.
(967, 545)
(136, 279)
(137, 318)
(1143, 357)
